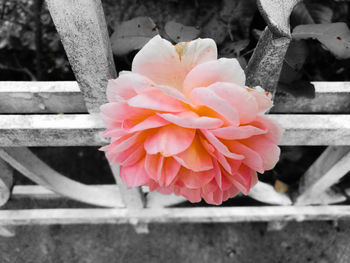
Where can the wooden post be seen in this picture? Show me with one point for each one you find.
(6, 182)
(83, 31)
(326, 171)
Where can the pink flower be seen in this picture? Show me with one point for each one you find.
(183, 121)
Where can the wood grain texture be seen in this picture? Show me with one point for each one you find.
(6, 182)
(82, 27)
(264, 67)
(276, 14)
(85, 130)
(41, 97)
(326, 171)
(32, 167)
(173, 215)
(19, 97)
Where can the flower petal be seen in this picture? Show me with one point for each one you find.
(194, 180)
(274, 129)
(262, 98)
(156, 100)
(239, 98)
(151, 122)
(135, 175)
(221, 70)
(119, 111)
(208, 98)
(191, 120)
(169, 140)
(236, 133)
(195, 157)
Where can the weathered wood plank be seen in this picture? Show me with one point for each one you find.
(173, 215)
(82, 27)
(85, 129)
(6, 181)
(41, 97)
(65, 97)
(327, 170)
(265, 65)
(32, 167)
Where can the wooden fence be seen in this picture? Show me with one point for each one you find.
(66, 114)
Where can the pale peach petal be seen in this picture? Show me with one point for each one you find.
(195, 157)
(127, 86)
(251, 158)
(236, 133)
(171, 169)
(133, 155)
(220, 146)
(156, 100)
(268, 150)
(174, 93)
(221, 70)
(153, 165)
(217, 172)
(119, 111)
(208, 98)
(262, 98)
(239, 98)
(194, 180)
(149, 123)
(169, 140)
(189, 119)
(274, 129)
(114, 132)
(135, 175)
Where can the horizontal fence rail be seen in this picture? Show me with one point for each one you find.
(172, 215)
(65, 97)
(86, 129)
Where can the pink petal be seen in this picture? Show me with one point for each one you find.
(208, 98)
(262, 98)
(153, 165)
(171, 169)
(235, 133)
(169, 140)
(151, 122)
(114, 133)
(274, 129)
(195, 157)
(221, 70)
(135, 175)
(220, 146)
(217, 173)
(119, 111)
(127, 86)
(134, 156)
(194, 180)
(174, 93)
(239, 98)
(191, 120)
(251, 158)
(268, 150)
(156, 100)
(193, 195)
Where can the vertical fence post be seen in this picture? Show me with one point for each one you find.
(82, 27)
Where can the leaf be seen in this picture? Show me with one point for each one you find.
(298, 88)
(215, 29)
(180, 33)
(335, 37)
(132, 34)
(276, 14)
(311, 13)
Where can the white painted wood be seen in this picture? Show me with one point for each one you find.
(267, 194)
(6, 181)
(41, 97)
(155, 199)
(85, 129)
(173, 215)
(133, 198)
(82, 27)
(32, 167)
(326, 171)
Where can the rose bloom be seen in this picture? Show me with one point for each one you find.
(183, 121)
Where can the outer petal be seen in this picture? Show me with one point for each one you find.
(262, 98)
(127, 86)
(156, 100)
(191, 120)
(268, 150)
(274, 129)
(119, 111)
(221, 70)
(235, 133)
(194, 180)
(239, 98)
(169, 140)
(135, 175)
(151, 122)
(195, 157)
(208, 98)
(170, 171)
